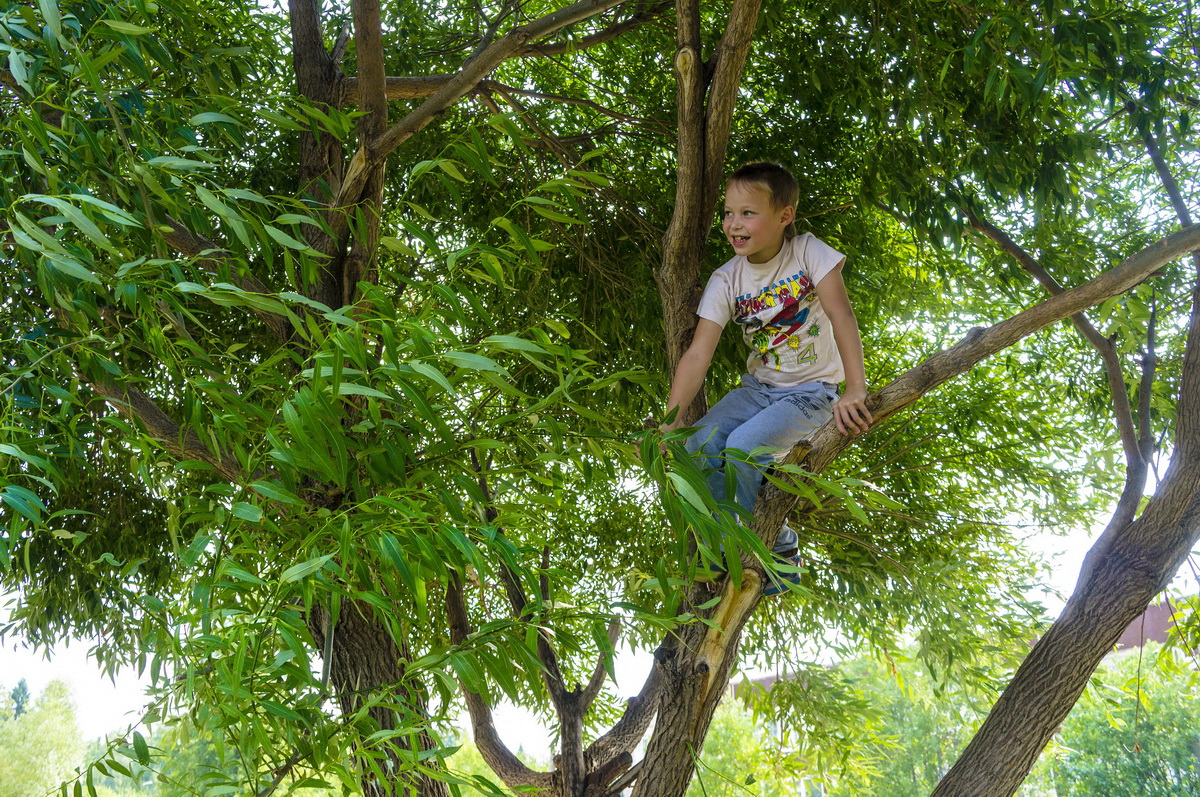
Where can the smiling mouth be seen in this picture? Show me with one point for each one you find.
(739, 239)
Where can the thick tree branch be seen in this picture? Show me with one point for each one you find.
(181, 443)
(318, 80)
(416, 87)
(357, 265)
(372, 95)
(774, 504)
(1128, 565)
(625, 736)
(728, 62)
(981, 343)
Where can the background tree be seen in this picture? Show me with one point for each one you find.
(20, 698)
(323, 442)
(42, 747)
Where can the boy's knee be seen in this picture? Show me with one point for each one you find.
(744, 442)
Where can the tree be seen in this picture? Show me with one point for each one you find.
(41, 747)
(20, 698)
(324, 441)
(1134, 732)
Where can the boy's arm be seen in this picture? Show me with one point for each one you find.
(850, 411)
(692, 368)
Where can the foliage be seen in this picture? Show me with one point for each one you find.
(740, 759)
(1136, 731)
(467, 412)
(41, 747)
(1106, 746)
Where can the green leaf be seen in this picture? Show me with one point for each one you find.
(688, 491)
(512, 343)
(50, 13)
(299, 571)
(141, 749)
(69, 265)
(127, 27)
(208, 117)
(230, 569)
(281, 237)
(351, 389)
(280, 710)
(247, 511)
(473, 362)
(13, 451)
(429, 372)
(76, 217)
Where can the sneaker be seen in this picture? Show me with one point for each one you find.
(779, 582)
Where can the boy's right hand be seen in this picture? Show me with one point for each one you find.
(850, 412)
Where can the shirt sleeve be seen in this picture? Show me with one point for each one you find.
(821, 259)
(716, 304)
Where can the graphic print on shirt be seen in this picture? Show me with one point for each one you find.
(774, 316)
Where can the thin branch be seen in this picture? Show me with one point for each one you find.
(491, 85)
(366, 160)
(592, 690)
(1146, 387)
(551, 674)
(1168, 179)
(183, 444)
(600, 37)
(210, 256)
(1105, 347)
(339, 47)
(493, 28)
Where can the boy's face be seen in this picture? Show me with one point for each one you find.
(753, 226)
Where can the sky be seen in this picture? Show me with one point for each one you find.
(104, 706)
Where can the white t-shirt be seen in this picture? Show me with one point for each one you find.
(775, 304)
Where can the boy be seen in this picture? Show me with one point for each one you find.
(786, 294)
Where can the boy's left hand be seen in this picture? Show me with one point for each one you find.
(850, 411)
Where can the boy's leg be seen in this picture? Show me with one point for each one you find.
(794, 414)
(711, 437)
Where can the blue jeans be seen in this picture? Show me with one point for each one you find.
(752, 416)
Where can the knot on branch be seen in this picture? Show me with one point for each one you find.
(685, 63)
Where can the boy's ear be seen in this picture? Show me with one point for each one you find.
(787, 215)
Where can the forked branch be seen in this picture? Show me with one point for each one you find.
(497, 755)
(1132, 443)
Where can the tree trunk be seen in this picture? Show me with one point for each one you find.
(363, 661)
